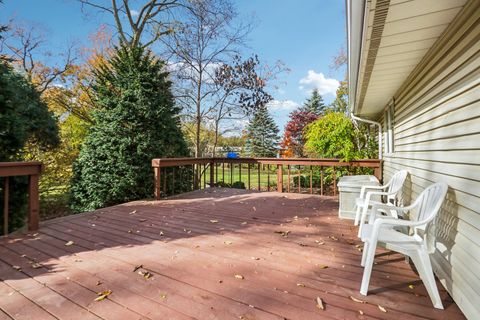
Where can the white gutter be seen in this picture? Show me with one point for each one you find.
(379, 125)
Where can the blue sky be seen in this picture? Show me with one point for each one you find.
(304, 35)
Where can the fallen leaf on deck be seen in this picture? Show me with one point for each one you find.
(102, 295)
(239, 276)
(411, 286)
(350, 242)
(161, 233)
(17, 268)
(228, 242)
(382, 308)
(243, 223)
(36, 265)
(333, 238)
(320, 304)
(361, 312)
(214, 221)
(322, 266)
(255, 258)
(69, 243)
(134, 211)
(129, 231)
(283, 233)
(300, 285)
(357, 300)
(254, 209)
(142, 220)
(301, 244)
(99, 282)
(163, 295)
(137, 267)
(78, 260)
(145, 274)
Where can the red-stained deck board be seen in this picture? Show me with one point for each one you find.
(194, 245)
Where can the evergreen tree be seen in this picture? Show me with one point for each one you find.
(136, 122)
(340, 102)
(23, 117)
(262, 135)
(314, 104)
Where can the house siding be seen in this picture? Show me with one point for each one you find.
(437, 138)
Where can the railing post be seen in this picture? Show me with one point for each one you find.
(212, 173)
(378, 171)
(158, 183)
(280, 178)
(33, 202)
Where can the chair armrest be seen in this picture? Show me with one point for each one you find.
(364, 188)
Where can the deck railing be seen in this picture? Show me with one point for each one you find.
(176, 175)
(32, 170)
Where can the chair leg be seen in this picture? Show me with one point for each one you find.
(424, 267)
(367, 272)
(364, 253)
(357, 215)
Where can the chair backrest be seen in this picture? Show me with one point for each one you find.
(396, 184)
(429, 202)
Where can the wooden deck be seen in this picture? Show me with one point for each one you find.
(221, 254)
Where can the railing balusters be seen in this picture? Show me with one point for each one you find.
(6, 190)
(204, 175)
(248, 170)
(165, 181)
(258, 171)
(299, 181)
(334, 182)
(232, 165)
(321, 181)
(173, 180)
(240, 173)
(268, 177)
(311, 180)
(288, 183)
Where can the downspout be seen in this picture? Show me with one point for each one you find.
(379, 125)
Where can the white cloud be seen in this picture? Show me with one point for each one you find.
(280, 105)
(134, 13)
(318, 81)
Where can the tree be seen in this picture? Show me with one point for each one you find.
(205, 37)
(294, 136)
(23, 117)
(314, 104)
(262, 135)
(340, 102)
(335, 136)
(144, 24)
(136, 121)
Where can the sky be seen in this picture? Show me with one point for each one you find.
(303, 34)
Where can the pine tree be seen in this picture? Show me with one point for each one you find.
(136, 121)
(314, 104)
(262, 135)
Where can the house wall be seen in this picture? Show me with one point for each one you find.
(437, 138)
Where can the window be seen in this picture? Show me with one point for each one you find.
(389, 124)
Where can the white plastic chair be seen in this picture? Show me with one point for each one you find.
(382, 230)
(364, 202)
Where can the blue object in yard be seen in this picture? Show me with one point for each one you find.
(232, 155)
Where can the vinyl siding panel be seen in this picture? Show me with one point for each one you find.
(437, 138)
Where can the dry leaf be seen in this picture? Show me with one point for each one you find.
(239, 276)
(320, 304)
(99, 282)
(333, 238)
(137, 267)
(320, 243)
(255, 258)
(163, 295)
(214, 221)
(361, 312)
(69, 243)
(145, 274)
(36, 265)
(228, 242)
(133, 212)
(102, 295)
(254, 209)
(17, 268)
(301, 244)
(129, 231)
(243, 223)
(322, 266)
(411, 286)
(161, 233)
(283, 233)
(300, 285)
(142, 220)
(382, 308)
(356, 300)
